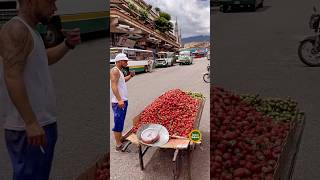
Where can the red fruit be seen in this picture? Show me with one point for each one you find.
(242, 163)
(240, 172)
(227, 156)
(269, 177)
(226, 176)
(218, 158)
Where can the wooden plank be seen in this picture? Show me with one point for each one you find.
(199, 114)
(285, 166)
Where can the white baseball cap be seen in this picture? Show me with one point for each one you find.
(121, 57)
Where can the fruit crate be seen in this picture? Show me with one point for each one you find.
(286, 163)
(90, 173)
(182, 146)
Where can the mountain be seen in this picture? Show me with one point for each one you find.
(195, 39)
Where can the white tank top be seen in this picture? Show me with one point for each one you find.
(38, 84)
(122, 87)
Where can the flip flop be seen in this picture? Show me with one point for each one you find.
(123, 148)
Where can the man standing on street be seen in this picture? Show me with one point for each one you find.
(119, 97)
(26, 89)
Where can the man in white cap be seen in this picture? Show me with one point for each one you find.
(119, 96)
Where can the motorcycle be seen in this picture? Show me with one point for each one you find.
(206, 76)
(309, 48)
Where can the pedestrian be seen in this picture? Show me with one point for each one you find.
(119, 96)
(26, 89)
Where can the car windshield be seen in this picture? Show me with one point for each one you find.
(161, 55)
(184, 53)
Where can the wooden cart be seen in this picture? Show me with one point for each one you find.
(181, 145)
(286, 163)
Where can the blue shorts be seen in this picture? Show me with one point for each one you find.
(119, 116)
(28, 161)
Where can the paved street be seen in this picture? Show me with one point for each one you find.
(256, 52)
(80, 85)
(143, 89)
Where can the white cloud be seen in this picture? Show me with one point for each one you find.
(193, 15)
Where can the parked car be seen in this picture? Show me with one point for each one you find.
(164, 59)
(227, 5)
(185, 57)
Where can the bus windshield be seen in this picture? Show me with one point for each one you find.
(114, 52)
(132, 54)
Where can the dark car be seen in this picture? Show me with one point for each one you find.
(227, 5)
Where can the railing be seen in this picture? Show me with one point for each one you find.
(160, 35)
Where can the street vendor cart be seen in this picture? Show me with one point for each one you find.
(181, 145)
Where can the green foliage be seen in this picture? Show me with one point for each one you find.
(165, 15)
(163, 25)
(132, 6)
(143, 15)
(157, 9)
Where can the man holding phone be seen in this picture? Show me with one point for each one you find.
(26, 89)
(119, 96)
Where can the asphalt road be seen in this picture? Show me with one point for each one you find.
(80, 84)
(143, 89)
(256, 52)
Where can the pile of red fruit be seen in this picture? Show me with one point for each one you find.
(175, 110)
(244, 143)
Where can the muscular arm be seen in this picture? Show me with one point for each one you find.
(15, 44)
(56, 53)
(114, 77)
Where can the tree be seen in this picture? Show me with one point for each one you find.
(163, 24)
(149, 7)
(143, 15)
(165, 15)
(157, 9)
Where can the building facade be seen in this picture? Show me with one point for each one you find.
(132, 25)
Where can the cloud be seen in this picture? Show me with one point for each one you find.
(193, 15)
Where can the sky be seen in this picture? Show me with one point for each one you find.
(193, 15)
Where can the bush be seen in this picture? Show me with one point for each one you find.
(162, 23)
(143, 15)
